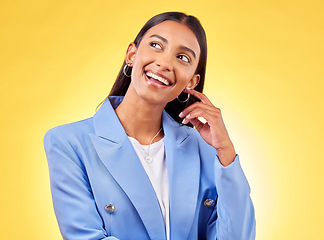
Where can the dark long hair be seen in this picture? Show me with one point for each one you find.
(174, 107)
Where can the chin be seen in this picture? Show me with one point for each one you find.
(153, 98)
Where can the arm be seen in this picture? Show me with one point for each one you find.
(235, 211)
(233, 217)
(73, 201)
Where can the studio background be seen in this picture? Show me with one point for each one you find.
(265, 69)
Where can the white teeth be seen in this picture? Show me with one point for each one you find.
(162, 80)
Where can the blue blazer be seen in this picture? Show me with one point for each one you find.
(101, 191)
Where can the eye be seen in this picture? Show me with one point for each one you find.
(155, 45)
(184, 58)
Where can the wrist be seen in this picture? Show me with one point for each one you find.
(226, 155)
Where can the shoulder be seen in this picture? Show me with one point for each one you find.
(71, 132)
(64, 144)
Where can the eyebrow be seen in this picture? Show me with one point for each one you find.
(182, 47)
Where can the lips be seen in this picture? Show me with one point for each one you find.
(158, 78)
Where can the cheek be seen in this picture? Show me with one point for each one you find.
(142, 58)
(184, 76)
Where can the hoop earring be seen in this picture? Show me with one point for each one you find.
(183, 101)
(124, 70)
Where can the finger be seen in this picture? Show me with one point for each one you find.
(202, 97)
(198, 113)
(197, 105)
(197, 123)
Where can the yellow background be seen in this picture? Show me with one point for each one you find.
(59, 59)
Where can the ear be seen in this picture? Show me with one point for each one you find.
(194, 81)
(130, 53)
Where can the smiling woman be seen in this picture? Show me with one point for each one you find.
(144, 166)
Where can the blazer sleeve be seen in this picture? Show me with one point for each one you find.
(233, 217)
(73, 201)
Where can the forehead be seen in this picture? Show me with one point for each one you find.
(176, 33)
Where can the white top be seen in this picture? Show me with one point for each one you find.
(157, 173)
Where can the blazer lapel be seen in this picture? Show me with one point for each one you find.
(184, 173)
(117, 154)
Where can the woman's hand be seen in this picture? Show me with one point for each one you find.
(213, 131)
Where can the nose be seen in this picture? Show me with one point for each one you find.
(164, 62)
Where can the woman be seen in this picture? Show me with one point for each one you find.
(135, 170)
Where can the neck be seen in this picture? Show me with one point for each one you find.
(141, 119)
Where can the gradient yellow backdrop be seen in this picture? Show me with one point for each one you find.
(58, 60)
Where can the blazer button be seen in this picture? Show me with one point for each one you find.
(109, 208)
(209, 202)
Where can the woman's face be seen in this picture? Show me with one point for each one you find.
(164, 63)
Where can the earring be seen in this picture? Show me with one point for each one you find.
(124, 70)
(183, 101)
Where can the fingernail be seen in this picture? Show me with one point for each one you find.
(183, 121)
(188, 116)
(181, 114)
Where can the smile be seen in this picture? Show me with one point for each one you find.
(164, 81)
